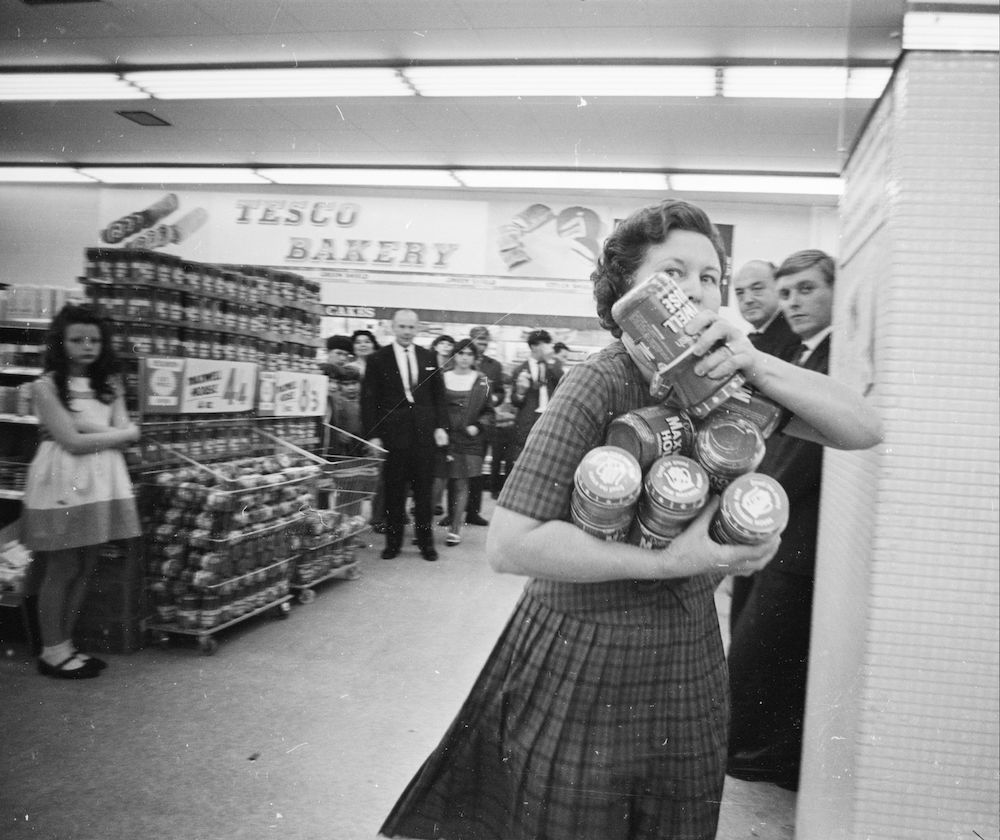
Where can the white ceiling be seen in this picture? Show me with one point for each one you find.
(800, 136)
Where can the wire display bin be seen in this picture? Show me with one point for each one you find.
(223, 533)
(349, 479)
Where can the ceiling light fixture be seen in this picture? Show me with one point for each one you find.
(784, 82)
(360, 176)
(947, 30)
(486, 179)
(55, 87)
(265, 83)
(557, 179)
(43, 175)
(173, 174)
(562, 80)
(772, 184)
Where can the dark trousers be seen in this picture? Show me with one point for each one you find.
(768, 665)
(406, 469)
(503, 459)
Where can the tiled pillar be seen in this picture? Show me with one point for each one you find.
(901, 733)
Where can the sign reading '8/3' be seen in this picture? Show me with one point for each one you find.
(285, 393)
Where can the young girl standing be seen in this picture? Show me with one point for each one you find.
(78, 493)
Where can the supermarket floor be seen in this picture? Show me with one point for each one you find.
(303, 728)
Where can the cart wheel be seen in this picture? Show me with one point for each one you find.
(306, 596)
(161, 639)
(352, 573)
(208, 645)
(284, 608)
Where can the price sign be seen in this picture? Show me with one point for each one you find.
(196, 386)
(285, 393)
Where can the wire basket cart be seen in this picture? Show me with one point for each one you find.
(223, 532)
(349, 480)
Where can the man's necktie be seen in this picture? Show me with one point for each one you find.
(543, 389)
(800, 355)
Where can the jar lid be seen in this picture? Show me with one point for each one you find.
(677, 483)
(754, 506)
(729, 444)
(609, 475)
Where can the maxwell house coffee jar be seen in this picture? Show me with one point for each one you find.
(653, 315)
(753, 508)
(675, 489)
(749, 403)
(727, 446)
(606, 487)
(652, 432)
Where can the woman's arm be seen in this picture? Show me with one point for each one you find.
(826, 411)
(60, 423)
(557, 550)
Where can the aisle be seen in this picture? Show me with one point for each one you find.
(303, 729)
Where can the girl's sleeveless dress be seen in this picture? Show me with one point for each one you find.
(77, 500)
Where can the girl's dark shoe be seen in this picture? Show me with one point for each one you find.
(84, 672)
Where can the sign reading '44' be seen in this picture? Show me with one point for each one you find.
(284, 393)
(196, 386)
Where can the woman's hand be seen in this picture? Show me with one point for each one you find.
(723, 347)
(472, 431)
(693, 552)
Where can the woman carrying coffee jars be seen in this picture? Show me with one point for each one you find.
(602, 711)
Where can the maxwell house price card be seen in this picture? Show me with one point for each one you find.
(285, 393)
(196, 386)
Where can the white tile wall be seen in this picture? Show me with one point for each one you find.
(902, 725)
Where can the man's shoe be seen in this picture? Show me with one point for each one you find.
(444, 523)
(452, 539)
(389, 553)
(430, 554)
(476, 519)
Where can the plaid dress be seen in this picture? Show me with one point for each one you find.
(602, 712)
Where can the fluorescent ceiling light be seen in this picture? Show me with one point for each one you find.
(284, 82)
(804, 82)
(361, 177)
(172, 175)
(562, 80)
(951, 31)
(787, 184)
(43, 174)
(560, 179)
(50, 87)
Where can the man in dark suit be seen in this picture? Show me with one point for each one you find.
(535, 379)
(757, 296)
(756, 291)
(493, 371)
(403, 410)
(769, 652)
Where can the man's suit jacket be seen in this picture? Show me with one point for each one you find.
(385, 411)
(798, 465)
(527, 403)
(778, 339)
(493, 371)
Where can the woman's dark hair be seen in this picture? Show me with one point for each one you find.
(367, 334)
(466, 344)
(102, 371)
(440, 339)
(626, 247)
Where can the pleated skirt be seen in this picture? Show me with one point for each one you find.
(578, 730)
